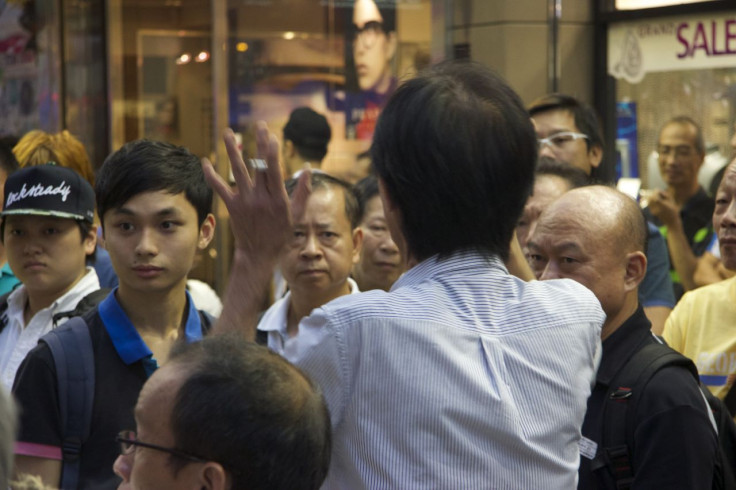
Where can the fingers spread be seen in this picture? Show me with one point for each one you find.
(240, 172)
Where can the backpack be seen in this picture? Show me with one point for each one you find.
(73, 353)
(620, 406)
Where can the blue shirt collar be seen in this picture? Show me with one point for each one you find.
(126, 339)
(6, 270)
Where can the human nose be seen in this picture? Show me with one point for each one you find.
(546, 149)
(146, 244)
(549, 272)
(388, 246)
(311, 248)
(122, 468)
(729, 217)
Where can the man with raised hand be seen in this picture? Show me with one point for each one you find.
(477, 361)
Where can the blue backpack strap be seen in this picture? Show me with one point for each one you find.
(71, 348)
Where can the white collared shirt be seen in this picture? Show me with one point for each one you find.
(274, 320)
(17, 338)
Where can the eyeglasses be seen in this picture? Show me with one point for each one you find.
(559, 140)
(368, 34)
(681, 151)
(128, 442)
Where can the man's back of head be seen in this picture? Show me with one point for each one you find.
(252, 418)
(306, 136)
(455, 152)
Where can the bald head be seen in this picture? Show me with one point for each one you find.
(596, 236)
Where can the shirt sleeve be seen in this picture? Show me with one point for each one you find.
(675, 443)
(35, 389)
(656, 288)
(674, 326)
(318, 350)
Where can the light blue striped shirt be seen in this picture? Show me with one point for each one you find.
(462, 376)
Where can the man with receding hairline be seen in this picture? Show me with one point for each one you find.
(597, 236)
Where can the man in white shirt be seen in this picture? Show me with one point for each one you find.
(48, 233)
(317, 260)
(461, 376)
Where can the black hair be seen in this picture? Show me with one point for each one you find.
(8, 162)
(321, 180)
(253, 412)
(456, 151)
(365, 190)
(586, 119)
(699, 142)
(574, 176)
(146, 165)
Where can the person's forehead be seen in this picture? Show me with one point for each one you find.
(554, 120)
(34, 220)
(678, 133)
(373, 208)
(157, 396)
(366, 11)
(729, 178)
(325, 202)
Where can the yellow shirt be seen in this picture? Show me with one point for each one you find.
(703, 327)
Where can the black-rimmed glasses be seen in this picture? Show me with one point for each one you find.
(368, 34)
(128, 442)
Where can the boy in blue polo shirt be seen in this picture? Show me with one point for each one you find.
(155, 209)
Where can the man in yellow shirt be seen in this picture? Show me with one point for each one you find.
(703, 324)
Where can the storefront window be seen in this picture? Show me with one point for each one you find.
(668, 67)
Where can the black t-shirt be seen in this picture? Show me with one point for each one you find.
(117, 386)
(116, 391)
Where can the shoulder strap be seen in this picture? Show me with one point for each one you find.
(730, 400)
(71, 348)
(88, 303)
(3, 309)
(620, 404)
(206, 320)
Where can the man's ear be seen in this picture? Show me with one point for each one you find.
(636, 269)
(214, 477)
(90, 241)
(357, 243)
(206, 231)
(595, 156)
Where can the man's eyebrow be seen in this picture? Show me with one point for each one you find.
(162, 212)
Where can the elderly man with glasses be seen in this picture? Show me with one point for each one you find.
(683, 211)
(225, 413)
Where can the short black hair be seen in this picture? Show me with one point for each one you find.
(321, 180)
(253, 412)
(456, 151)
(365, 190)
(146, 165)
(310, 133)
(574, 176)
(586, 119)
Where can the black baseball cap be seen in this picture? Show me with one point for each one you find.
(49, 190)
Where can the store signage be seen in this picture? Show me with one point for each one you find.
(668, 44)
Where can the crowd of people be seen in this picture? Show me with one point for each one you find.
(480, 311)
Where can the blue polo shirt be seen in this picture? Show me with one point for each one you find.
(126, 339)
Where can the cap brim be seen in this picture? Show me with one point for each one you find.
(44, 212)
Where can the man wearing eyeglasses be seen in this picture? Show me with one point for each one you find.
(683, 212)
(568, 131)
(225, 413)
(373, 42)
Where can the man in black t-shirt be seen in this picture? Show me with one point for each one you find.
(155, 209)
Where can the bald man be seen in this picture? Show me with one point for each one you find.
(597, 236)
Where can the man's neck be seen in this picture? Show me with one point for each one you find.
(302, 305)
(682, 194)
(157, 313)
(615, 320)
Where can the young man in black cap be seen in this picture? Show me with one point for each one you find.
(48, 233)
(306, 136)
